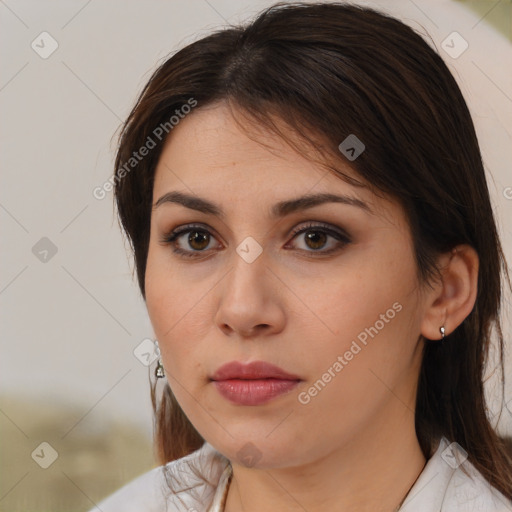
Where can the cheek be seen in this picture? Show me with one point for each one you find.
(167, 296)
(174, 306)
(363, 291)
(350, 378)
(368, 316)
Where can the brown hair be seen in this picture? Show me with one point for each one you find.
(329, 70)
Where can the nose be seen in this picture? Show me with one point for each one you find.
(250, 303)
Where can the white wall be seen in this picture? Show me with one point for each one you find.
(69, 326)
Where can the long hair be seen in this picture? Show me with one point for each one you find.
(329, 70)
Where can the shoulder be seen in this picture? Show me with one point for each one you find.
(185, 484)
(469, 491)
(450, 483)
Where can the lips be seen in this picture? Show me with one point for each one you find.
(252, 371)
(255, 383)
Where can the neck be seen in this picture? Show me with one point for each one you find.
(373, 472)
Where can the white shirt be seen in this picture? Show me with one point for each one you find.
(202, 479)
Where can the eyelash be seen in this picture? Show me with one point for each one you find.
(342, 238)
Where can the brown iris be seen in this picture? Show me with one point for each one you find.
(201, 238)
(315, 239)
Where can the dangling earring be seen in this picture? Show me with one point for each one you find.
(442, 333)
(159, 370)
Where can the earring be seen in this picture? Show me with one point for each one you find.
(159, 370)
(442, 333)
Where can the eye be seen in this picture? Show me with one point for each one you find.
(316, 238)
(198, 239)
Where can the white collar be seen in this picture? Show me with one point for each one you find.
(442, 486)
(448, 483)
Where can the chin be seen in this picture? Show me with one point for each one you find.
(256, 450)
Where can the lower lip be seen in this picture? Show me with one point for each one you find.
(253, 392)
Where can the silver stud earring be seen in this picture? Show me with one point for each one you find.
(159, 370)
(442, 333)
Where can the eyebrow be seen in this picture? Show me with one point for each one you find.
(280, 209)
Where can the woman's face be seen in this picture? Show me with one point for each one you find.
(326, 291)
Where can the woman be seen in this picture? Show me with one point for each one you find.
(314, 240)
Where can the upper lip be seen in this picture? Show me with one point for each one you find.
(253, 370)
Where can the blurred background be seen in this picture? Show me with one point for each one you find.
(75, 414)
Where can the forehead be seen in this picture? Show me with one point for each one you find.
(209, 139)
(209, 154)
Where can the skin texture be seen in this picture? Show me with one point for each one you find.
(353, 445)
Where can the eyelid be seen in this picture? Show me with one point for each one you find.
(321, 226)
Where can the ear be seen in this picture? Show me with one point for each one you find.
(453, 297)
